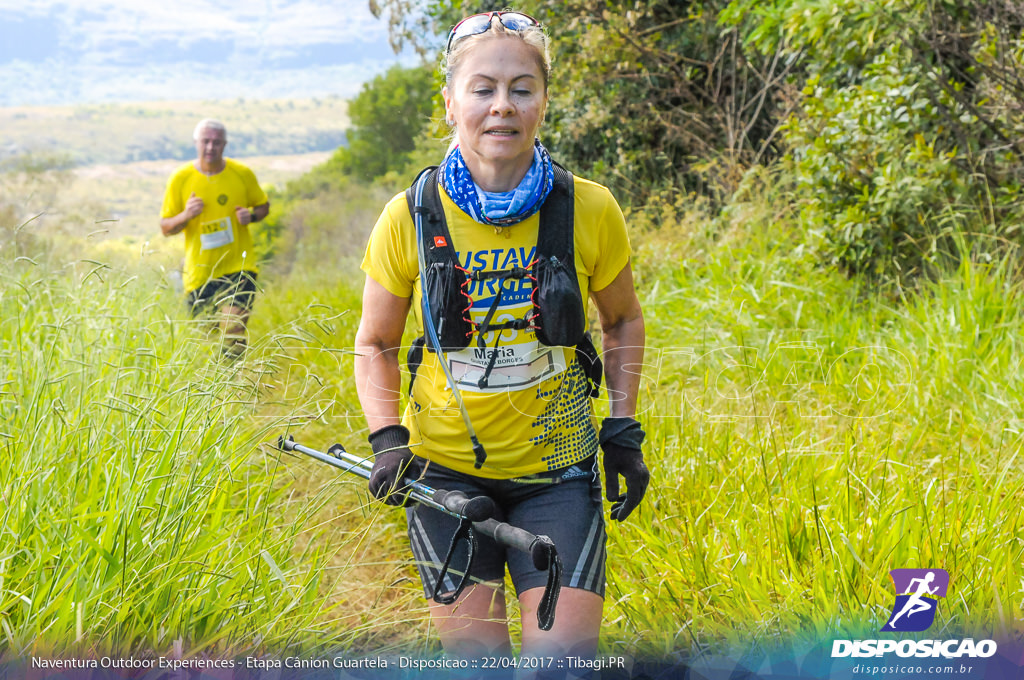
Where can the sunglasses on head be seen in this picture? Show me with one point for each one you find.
(481, 23)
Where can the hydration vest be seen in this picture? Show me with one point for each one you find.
(558, 313)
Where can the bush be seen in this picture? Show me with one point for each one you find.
(870, 170)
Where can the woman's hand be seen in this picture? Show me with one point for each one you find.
(393, 462)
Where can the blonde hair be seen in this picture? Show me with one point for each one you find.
(533, 36)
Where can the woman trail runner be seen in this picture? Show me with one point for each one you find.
(500, 399)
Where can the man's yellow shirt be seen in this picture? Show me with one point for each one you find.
(216, 243)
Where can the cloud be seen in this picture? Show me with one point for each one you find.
(105, 46)
(100, 30)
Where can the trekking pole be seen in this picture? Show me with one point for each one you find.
(454, 503)
(476, 513)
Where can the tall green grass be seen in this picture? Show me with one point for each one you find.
(806, 435)
(139, 508)
(144, 504)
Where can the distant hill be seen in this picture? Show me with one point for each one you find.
(125, 133)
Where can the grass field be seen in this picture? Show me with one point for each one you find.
(806, 435)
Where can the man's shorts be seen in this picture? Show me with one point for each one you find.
(564, 505)
(237, 289)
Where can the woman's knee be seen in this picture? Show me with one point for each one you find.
(576, 628)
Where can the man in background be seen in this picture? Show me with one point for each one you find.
(214, 200)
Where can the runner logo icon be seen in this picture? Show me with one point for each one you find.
(917, 597)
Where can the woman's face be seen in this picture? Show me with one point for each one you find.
(497, 101)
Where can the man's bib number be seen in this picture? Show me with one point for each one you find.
(216, 234)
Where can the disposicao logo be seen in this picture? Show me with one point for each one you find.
(918, 592)
(917, 596)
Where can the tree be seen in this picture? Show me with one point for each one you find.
(388, 115)
(647, 95)
(905, 137)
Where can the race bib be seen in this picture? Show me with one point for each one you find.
(216, 234)
(515, 367)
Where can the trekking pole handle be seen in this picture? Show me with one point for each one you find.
(538, 547)
(477, 509)
(456, 503)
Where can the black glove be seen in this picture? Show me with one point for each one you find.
(392, 461)
(620, 440)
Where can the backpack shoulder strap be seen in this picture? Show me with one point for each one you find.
(444, 283)
(436, 237)
(556, 220)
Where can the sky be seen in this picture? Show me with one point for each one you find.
(91, 51)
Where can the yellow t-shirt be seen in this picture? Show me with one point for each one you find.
(535, 413)
(216, 243)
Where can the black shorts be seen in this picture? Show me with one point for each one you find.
(237, 290)
(564, 505)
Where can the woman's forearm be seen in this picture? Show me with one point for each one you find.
(378, 384)
(623, 356)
